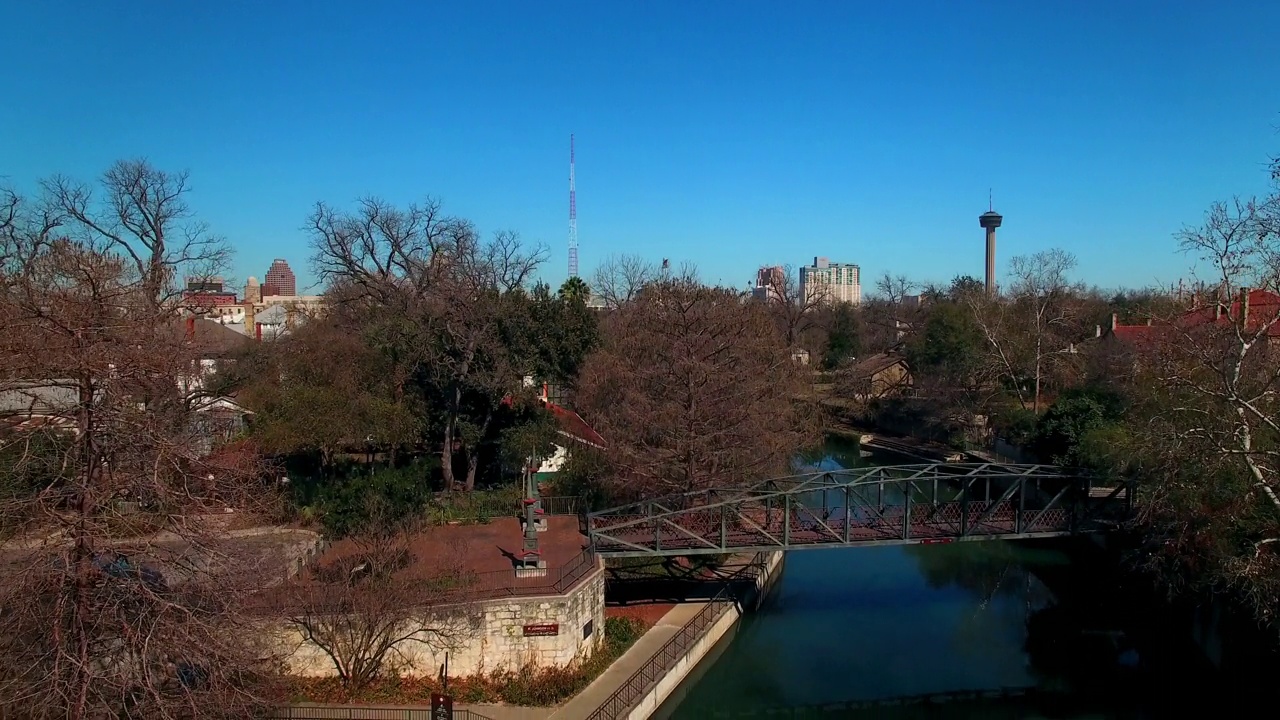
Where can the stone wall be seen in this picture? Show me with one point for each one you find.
(490, 635)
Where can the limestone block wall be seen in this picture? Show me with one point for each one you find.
(487, 635)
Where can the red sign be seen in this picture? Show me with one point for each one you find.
(541, 630)
(935, 541)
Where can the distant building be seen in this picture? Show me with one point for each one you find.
(203, 293)
(828, 282)
(280, 277)
(880, 375)
(770, 279)
(252, 290)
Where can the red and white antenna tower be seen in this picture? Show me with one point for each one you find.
(573, 217)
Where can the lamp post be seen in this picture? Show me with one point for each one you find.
(531, 563)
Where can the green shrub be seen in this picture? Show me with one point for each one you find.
(345, 502)
(621, 632)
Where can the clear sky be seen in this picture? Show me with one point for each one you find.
(730, 134)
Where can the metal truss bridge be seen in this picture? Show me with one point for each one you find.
(891, 505)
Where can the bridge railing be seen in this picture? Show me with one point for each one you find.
(927, 503)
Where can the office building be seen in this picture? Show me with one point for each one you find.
(770, 281)
(279, 279)
(828, 282)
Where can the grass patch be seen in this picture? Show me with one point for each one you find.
(531, 686)
(478, 507)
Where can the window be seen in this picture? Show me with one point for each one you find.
(588, 629)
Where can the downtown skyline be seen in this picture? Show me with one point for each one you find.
(868, 135)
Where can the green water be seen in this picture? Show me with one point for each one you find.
(851, 625)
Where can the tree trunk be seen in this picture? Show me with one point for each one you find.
(446, 454)
(473, 453)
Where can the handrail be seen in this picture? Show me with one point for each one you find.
(366, 712)
(648, 675)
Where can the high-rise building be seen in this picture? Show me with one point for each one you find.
(280, 277)
(770, 281)
(828, 282)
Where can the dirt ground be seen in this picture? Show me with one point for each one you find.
(648, 614)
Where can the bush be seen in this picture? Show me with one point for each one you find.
(1076, 413)
(621, 633)
(345, 502)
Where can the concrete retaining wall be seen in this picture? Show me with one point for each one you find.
(723, 626)
(491, 636)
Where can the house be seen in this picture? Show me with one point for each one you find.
(31, 404)
(1253, 310)
(800, 356)
(216, 421)
(879, 375)
(571, 428)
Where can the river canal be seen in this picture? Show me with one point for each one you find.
(847, 626)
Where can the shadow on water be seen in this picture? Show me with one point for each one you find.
(964, 630)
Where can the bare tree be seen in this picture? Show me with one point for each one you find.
(694, 389)
(792, 309)
(620, 278)
(1222, 355)
(1030, 330)
(437, 293)
(91, 340)
(894, 289)
(370, 613)
(142, 213)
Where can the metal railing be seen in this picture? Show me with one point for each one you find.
(365, 712)
(449, 590)
(647, 676)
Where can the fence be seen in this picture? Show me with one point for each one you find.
(361, 712)
(648, 675)
(485, 505)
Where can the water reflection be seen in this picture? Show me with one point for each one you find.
(850, 625)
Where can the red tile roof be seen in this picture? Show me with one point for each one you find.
(572, 424)
(1264, 306)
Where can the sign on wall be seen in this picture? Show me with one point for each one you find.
(441, 707)
(541, 629)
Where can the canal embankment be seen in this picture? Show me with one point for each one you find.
(640, 681)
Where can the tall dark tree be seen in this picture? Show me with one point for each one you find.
(844, 340)
(694, 389)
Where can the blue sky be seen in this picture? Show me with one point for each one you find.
(730, 134)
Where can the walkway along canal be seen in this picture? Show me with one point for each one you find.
(996, 629)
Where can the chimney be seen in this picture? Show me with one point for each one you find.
(1114, 321)
(250, 313)
(257, 332)
(1244, 307)
(191, 328)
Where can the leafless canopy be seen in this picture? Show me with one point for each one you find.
(619, 279)
(1030, 331)
(141, 213)
(100, 460)
(694, 389)
(368, 614)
